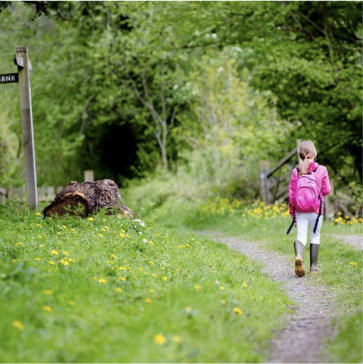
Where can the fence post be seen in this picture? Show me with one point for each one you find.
(88, 176)
(27, 126)
(298, 142)
(264, 184)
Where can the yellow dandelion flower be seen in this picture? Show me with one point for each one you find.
(127, 236)
(90, 219)
(66, 253)
(71, 260)
(147, 300)
(150, 242)
(100, 235)
(39, 225)
(223, 302)
(113, 256)
(123, 279)
(245, 285)
(154, 275)
(47, 308)
(94, 278)
(151, 290)
(176, 339)
(122, 235)
(64, 262)
(353, 263)
(38, 214)
(122, 268)
(19, 325)
(122, 230)
(197, 287)
(151, 262)
(64, 226)
(58, 233)
(237, 311)
(73, 230)
(118, 289)
(48, 292)
(188, 309)
(221, 288)
(102, 280)
(38, 259)
(141, 269)
(18, 244)
(160, 339)
(54, 252)
(51, 262)
(164, 278)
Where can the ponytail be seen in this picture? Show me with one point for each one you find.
(304, 166)
(307, 153)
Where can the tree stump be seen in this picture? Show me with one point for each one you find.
(85, 198)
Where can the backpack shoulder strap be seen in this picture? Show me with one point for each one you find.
(316, 168)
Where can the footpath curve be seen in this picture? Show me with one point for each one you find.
(306, 329)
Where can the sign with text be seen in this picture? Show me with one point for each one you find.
(9, 78)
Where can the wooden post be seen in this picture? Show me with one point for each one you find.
(88, 176)
(264, 185)
(27, 125)
(298, 142)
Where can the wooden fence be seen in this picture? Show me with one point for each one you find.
(274, 183)
(45, 193)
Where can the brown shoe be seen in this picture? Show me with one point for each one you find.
(299, 250)
(299, 269)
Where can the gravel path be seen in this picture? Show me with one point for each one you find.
(308, 327)
(355, 240)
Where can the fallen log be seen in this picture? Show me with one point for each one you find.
(85, 198)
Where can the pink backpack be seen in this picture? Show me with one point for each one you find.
(307, 195)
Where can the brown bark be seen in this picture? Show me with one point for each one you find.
(86, 198)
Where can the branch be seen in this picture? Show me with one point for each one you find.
(311, 22)
(150, 106)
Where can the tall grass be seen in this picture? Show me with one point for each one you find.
(105, 289)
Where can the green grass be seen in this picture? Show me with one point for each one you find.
(335, 258)
(101, 290)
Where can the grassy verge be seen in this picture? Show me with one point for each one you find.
(105, 289)
(341, 264)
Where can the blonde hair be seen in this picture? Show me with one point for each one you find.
(306, 151)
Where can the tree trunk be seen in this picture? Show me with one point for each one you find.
(86, 198)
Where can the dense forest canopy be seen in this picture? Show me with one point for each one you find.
(125, 87)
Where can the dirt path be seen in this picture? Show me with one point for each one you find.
(308, 327)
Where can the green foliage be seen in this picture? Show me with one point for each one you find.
(88, 289)
(227, 82)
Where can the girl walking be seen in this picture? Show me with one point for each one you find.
(309, 184)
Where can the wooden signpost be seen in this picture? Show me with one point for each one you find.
(23, 78)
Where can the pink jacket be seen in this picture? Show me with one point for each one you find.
(322, 179)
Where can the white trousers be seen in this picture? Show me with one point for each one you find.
(302, 222)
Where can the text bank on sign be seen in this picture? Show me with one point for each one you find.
(9, 78)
